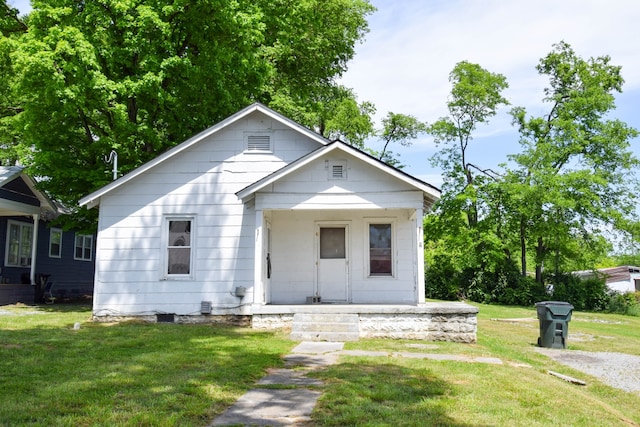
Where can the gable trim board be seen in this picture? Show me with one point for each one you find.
(256, 221)
(93, 199)
(432, 193)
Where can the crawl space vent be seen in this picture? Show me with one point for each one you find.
(205, 307)
(165, 318)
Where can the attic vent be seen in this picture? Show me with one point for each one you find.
(259, 143)
(336, 169)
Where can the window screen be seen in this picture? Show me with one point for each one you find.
(380, 249)
(179, 247)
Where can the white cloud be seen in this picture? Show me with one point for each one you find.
(403, 65)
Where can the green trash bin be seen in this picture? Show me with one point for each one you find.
(554, 317)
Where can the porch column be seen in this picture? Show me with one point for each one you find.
(34, 248)
(420, 256)
(258, 285)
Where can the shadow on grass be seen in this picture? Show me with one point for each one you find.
(383, 394)
(129, 373)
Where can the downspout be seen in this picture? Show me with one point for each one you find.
(34, 248)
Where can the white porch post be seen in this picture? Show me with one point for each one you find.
(34, 248)
(420, 256)
(258, 278)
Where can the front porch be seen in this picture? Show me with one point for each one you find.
(431, 321)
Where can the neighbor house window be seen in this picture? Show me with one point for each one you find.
(19, 244)
(84, 247)
(380, 250)
(55, 243)
(179, 255)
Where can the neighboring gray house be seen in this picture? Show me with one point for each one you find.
(624, 278)
(258, 216)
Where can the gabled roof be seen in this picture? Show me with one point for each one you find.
(93, 199)
(9, 174)
(431, 193)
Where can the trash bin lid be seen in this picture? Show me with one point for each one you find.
(557, 308)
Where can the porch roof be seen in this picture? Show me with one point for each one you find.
(430, 192)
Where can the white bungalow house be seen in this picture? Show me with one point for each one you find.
(260, 217)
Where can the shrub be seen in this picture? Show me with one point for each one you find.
(624, 303)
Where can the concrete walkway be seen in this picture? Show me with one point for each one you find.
(292, 404)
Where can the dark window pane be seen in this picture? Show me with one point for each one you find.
(179, 260)
(380, 249)
(179, 233)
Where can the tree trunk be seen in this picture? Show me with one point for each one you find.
(539, 260)
(523, 247)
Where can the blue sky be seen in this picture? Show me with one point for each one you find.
(404, 63)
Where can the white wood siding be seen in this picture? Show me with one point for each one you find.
(199, 182)
(294, 256)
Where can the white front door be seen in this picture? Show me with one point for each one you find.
(333, 263)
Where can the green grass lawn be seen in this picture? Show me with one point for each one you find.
(128, 374)
(138, 374)
(370, 391)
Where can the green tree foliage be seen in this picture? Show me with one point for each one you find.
(555, 204)
(11, 27)
(140, 76)
(465, 218)
(397, 129)
(574, 175)
(345, 119)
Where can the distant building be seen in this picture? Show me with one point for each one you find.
(625, 278)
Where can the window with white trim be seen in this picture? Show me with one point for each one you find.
(259, 142)
(380, 250)
(83, 247)
(55, 243)
(179, 249)
(19, 244)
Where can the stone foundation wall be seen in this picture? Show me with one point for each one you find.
(272, 321)
(441, 327)
(227, 319)
(446, 322)
(456, 322)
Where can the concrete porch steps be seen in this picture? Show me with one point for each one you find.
(325, 327)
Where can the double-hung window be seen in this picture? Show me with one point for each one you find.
(380, 250)
(19, 244)
(55, 243)
(83, 247)
(179, 250)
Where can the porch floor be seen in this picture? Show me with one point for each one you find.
(440, 307)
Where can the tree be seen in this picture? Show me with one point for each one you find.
(475, 98)
(142, 76)
(11, 27)
(574, 175)
(345, 119)
(397, 128)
